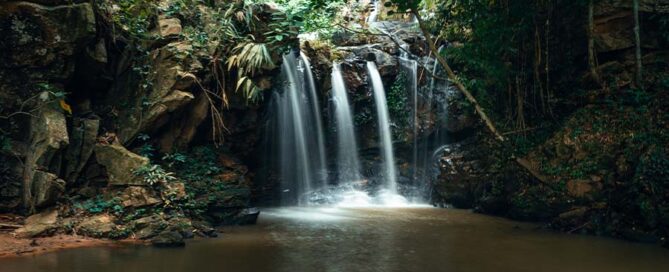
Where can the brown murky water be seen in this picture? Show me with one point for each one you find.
(367, 239)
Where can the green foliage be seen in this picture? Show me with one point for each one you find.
(99, 205)
(154, 174)
(133, 16)
(398, 100)
(362, 117)
(5, 142)
(318, 16)
(199, 170)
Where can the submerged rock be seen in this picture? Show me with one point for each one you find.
(169, 239)
(203, 228)
(149, 226)
(247, 216)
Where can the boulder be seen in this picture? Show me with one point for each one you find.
(101, 225)
(138, 196)
(386, 63)
(173, 70)
(174, 190)
(203, 228)
(49, 135)
(47, 188)
(583, 188)
(182, 225)
(148, 227)
(120, 164)
(169, 27)
(247, 216)
(38, 224)
(168, 239)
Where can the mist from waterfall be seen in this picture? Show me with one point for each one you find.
(348, 165)
(385, 138)
(301, 159)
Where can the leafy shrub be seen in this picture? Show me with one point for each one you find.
(154, 174)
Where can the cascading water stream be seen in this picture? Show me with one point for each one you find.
(410, 69)
(385, 138)
(375, 12)
(301, 152)
(435, 66)
(348, 165)
(305, 67)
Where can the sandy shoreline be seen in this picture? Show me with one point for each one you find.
(11, 246)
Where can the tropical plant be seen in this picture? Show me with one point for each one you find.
(154, 174)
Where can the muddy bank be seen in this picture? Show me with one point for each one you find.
(11, 246)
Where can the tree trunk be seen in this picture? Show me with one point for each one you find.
(454, 79)
(637, 39)
(451, 75)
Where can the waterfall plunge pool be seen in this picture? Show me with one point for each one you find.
(366, 239)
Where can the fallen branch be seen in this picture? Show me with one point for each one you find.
(530, 168)
(9, 226)
(479, 110)
(520, 131)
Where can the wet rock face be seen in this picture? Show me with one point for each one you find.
(462, 174)
(39, 45)
(39, 48)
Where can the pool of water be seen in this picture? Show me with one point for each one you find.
(366, 239)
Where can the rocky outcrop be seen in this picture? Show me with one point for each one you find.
(120, 164)
(77, 97)
(101, 225)
(47, 188)
(82, 141)
(138, 196)
(38, 224)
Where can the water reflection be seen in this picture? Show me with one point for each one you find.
(367, 239)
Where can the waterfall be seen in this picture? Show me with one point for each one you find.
(375, 12)
(316, 108)
(348, 166)
(301, 159)
(390, 174)
(435, 66)
(410, 69)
